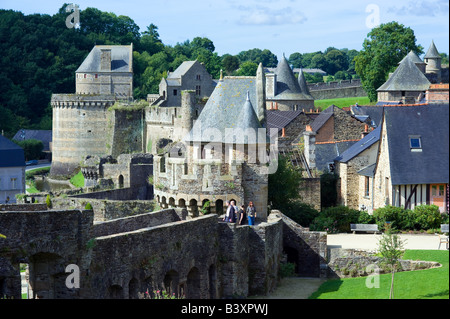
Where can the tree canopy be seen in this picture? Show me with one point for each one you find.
(384, 47)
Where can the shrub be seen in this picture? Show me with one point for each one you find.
(48, 201)
(88, 206)
(427, 216)
(336, 219)
(287, 270)
(365, 218)
(393, 215)
(303, 214)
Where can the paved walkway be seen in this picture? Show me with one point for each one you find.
(370, 241)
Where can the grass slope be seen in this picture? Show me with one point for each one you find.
(342, 102)
(418, 284)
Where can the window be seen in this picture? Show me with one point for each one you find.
(13, 183)
(96, 76)
(198, 90)
(175, 92)
(366, 186)
(415, 143)
(199, 77)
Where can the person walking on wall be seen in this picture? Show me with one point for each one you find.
(227, 214)
(241, 216)
(251, 214)
(233, 211)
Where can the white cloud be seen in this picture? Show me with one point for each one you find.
(422, 8)
(259, 15)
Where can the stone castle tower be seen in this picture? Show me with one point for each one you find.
(433, 60)
(80, 120)
(219, 160)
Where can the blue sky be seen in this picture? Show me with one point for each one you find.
(282, 26)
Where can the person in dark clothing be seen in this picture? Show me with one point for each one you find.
(242, 216)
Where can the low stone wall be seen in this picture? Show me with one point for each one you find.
(346, 263)
(127, 224)
(307, 249)
(105, 209)
(23, 207)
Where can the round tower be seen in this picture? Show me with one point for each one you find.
(79, 129)
(433, 60)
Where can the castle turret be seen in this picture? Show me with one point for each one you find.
(261, 95)
(433, 60)
(187, 110)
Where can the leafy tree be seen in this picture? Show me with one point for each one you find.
(336, 61)
(247, 69)
(284, 188)
(266, 57)
(296, 60)
(230, 63)
(390, 247)
(313, 78)
(32, 148)
(384, 47)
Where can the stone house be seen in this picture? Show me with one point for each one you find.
(410, 82)
(108, 69)
(349, 165)
(411, 163)
(190, 75)
(12, 170)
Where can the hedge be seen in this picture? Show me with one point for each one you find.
(338, 219)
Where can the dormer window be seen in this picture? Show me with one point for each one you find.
(415, 143)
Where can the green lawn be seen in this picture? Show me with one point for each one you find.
(342, 102)
(418, 284)
(78, 180)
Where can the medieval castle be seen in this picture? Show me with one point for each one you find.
(163, 170)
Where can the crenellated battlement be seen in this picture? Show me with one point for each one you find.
(82, 101)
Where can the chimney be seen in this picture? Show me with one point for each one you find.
(283, 132)
(366, 131)
(309, 140)
(105, 60)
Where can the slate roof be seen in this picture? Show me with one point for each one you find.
(432, 52)
(407, 77)
(11, 154)
(227, 108)
(431, 123)
(289, 87)
(41, 135)
(368, 170)
(323, 117)
(360, 146)
(181, 70)
(279, 119)
(374, 113)
(413, 57)
(121, 59)
(326, 153)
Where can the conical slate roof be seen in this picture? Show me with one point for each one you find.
(407, 77)
(288, 87)
(231, 105)
(432, 52)
(302, 83)
(413, 57)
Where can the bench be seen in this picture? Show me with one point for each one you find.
(364, 227)
(443, 239)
